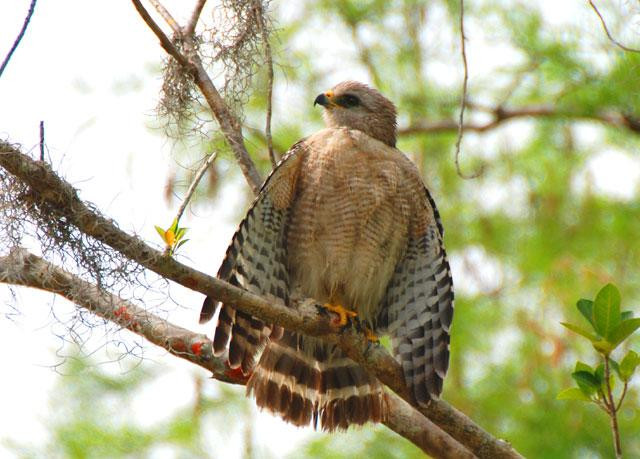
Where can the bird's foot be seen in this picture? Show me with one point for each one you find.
(371, 336)
(343, 314)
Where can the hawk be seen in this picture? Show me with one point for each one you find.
(345, 219)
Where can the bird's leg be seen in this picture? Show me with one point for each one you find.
(342, 312)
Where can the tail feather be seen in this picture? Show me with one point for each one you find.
(226, 318)
(330, 393)
(248, 337)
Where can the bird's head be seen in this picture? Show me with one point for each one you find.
(355, 105)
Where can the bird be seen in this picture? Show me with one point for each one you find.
(345, 219)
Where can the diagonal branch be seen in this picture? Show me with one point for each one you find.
(16, 42)
(194, 183)
(229, 123)
(606, 30)
(23, 268)
(168, 18)
(304, 318)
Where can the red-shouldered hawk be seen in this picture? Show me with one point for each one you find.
(345, 219)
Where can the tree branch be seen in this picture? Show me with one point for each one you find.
(463, 98)
(229, 123)
(23, 268)
(194, 184)
(190, 28)
(303, 317)
(16, 42)
(168, 18)
(502, 115)
(267, 54)
(606, 30)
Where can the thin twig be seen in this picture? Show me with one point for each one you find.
(463, 99)
(600, 403)
(624, 392)
(606, 30)
(613, 411)
(192, 188)
(166, 16)
(20, 35)
(190, 28)
(41, 140)
(267, 53)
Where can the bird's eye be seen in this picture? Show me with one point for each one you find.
(349, 100)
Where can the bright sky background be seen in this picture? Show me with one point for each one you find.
(87, 69)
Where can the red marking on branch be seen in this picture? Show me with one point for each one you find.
(196, 348)
(122, 313)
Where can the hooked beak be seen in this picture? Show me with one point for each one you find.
(324, 99)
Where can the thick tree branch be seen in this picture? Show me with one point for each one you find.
(304, 318)
(500, 115)
(22, 268)
(229, 123)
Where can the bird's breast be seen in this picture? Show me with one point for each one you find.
(348, 226)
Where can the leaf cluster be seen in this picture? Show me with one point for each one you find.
(610, 326)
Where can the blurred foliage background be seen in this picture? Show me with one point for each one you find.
(554, 215)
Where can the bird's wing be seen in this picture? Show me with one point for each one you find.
(256, 261)
(417, 309)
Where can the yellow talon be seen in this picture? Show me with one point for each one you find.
(370, 335)
(342, 312)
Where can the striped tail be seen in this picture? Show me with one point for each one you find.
(305, 382)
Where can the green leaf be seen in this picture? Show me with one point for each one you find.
(586, 309)
(160, 231)
(615, 366)
(624, 315)
(573, 393)
(181, 242)
(586, 381)
(603, 346)
(606, 310)
(623, 331)
(628, 365)
(581, 331)
(174, 225)
(599, 373)
(581, 366)
(181, 232)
